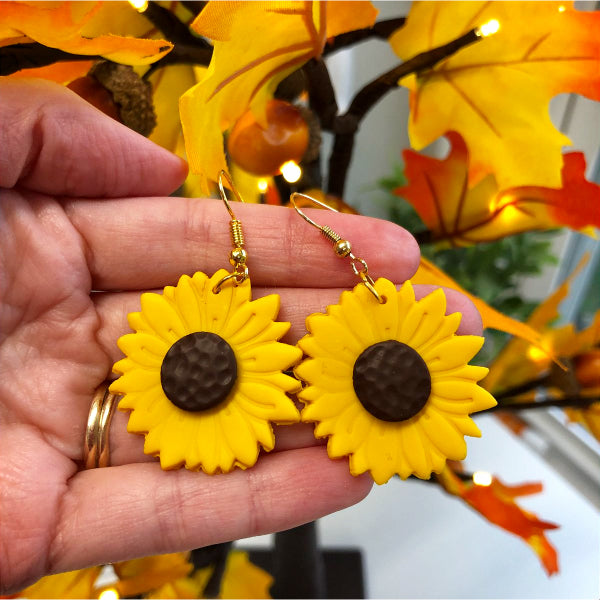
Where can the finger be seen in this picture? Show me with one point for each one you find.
(296, 305)
(138, 510)
(58, 144)
(149, 242)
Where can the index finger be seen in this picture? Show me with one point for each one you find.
(143, 243)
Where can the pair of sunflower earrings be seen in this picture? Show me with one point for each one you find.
(386, 378)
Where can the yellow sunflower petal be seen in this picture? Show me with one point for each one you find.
(268, 357)
(414, 450)
(479, 399)
(162, 317)
(328, 404)
(251, 319)
(329, 372)
(329, 338)
(453, 352)
(446, 330)
(134, 380)
(145, 350)
(187, 298)
(351, 429)
(356, 309)
(260, 398)
(444, 435)
(239, 435)
(385, 316)
(422, 319)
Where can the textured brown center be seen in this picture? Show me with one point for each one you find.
(198, 371)
(391, 381)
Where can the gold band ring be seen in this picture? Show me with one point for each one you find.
(96, 450)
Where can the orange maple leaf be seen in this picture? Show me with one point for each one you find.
(461, 215)
(256, 45)
(496, 92)
(93, 28)
(496, 503)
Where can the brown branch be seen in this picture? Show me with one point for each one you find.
(381, 30)
(346, 125)
(513, 404)
(320, 92)
(33, 55)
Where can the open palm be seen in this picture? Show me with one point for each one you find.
(86, 227)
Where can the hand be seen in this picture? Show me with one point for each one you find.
(83, 208)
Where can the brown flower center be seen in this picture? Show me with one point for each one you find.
(391, 381)
(198, 371)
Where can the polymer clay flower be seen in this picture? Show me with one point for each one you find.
(203, 375)
(389, 383)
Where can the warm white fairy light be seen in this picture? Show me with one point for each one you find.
(291, 171)
(482, 478)
(262, 184)
(489, 28)
(562, 8)
(109, 594)
(139, 5)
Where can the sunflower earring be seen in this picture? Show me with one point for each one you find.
(203, 374)
(387, 378)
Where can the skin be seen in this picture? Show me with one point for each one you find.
(84, 207)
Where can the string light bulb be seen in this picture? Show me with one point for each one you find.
(482, 478)
(109, 594)
(262, 185)
(139, 5)
(291, 171)
(561, 8)
(489, 28)
(537, 355)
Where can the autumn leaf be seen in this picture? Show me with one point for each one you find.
(94, 28)
(519, 361)
(429, 274)
(256, 45)
(142, 575)
(496, 503)
(495, 93)
(461, 215)
(74, 584)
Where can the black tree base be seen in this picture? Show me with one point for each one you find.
(343, 571)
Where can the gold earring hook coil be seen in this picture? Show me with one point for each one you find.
(342, 247)
(238, 256)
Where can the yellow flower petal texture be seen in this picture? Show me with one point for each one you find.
(203, 374)
(390, 384)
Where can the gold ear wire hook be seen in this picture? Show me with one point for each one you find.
(238, 255)
(341, 247)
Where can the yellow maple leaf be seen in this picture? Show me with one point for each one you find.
(256, 45)
(142, 575)
(495, 93)
(94, 28)
(74, 584)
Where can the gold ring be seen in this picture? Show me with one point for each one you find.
(96, 449)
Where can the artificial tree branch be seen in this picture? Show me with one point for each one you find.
(187, 48)
(320, 92)
(32, 55)
(576, 401)
(381, 30)
(346, 125)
